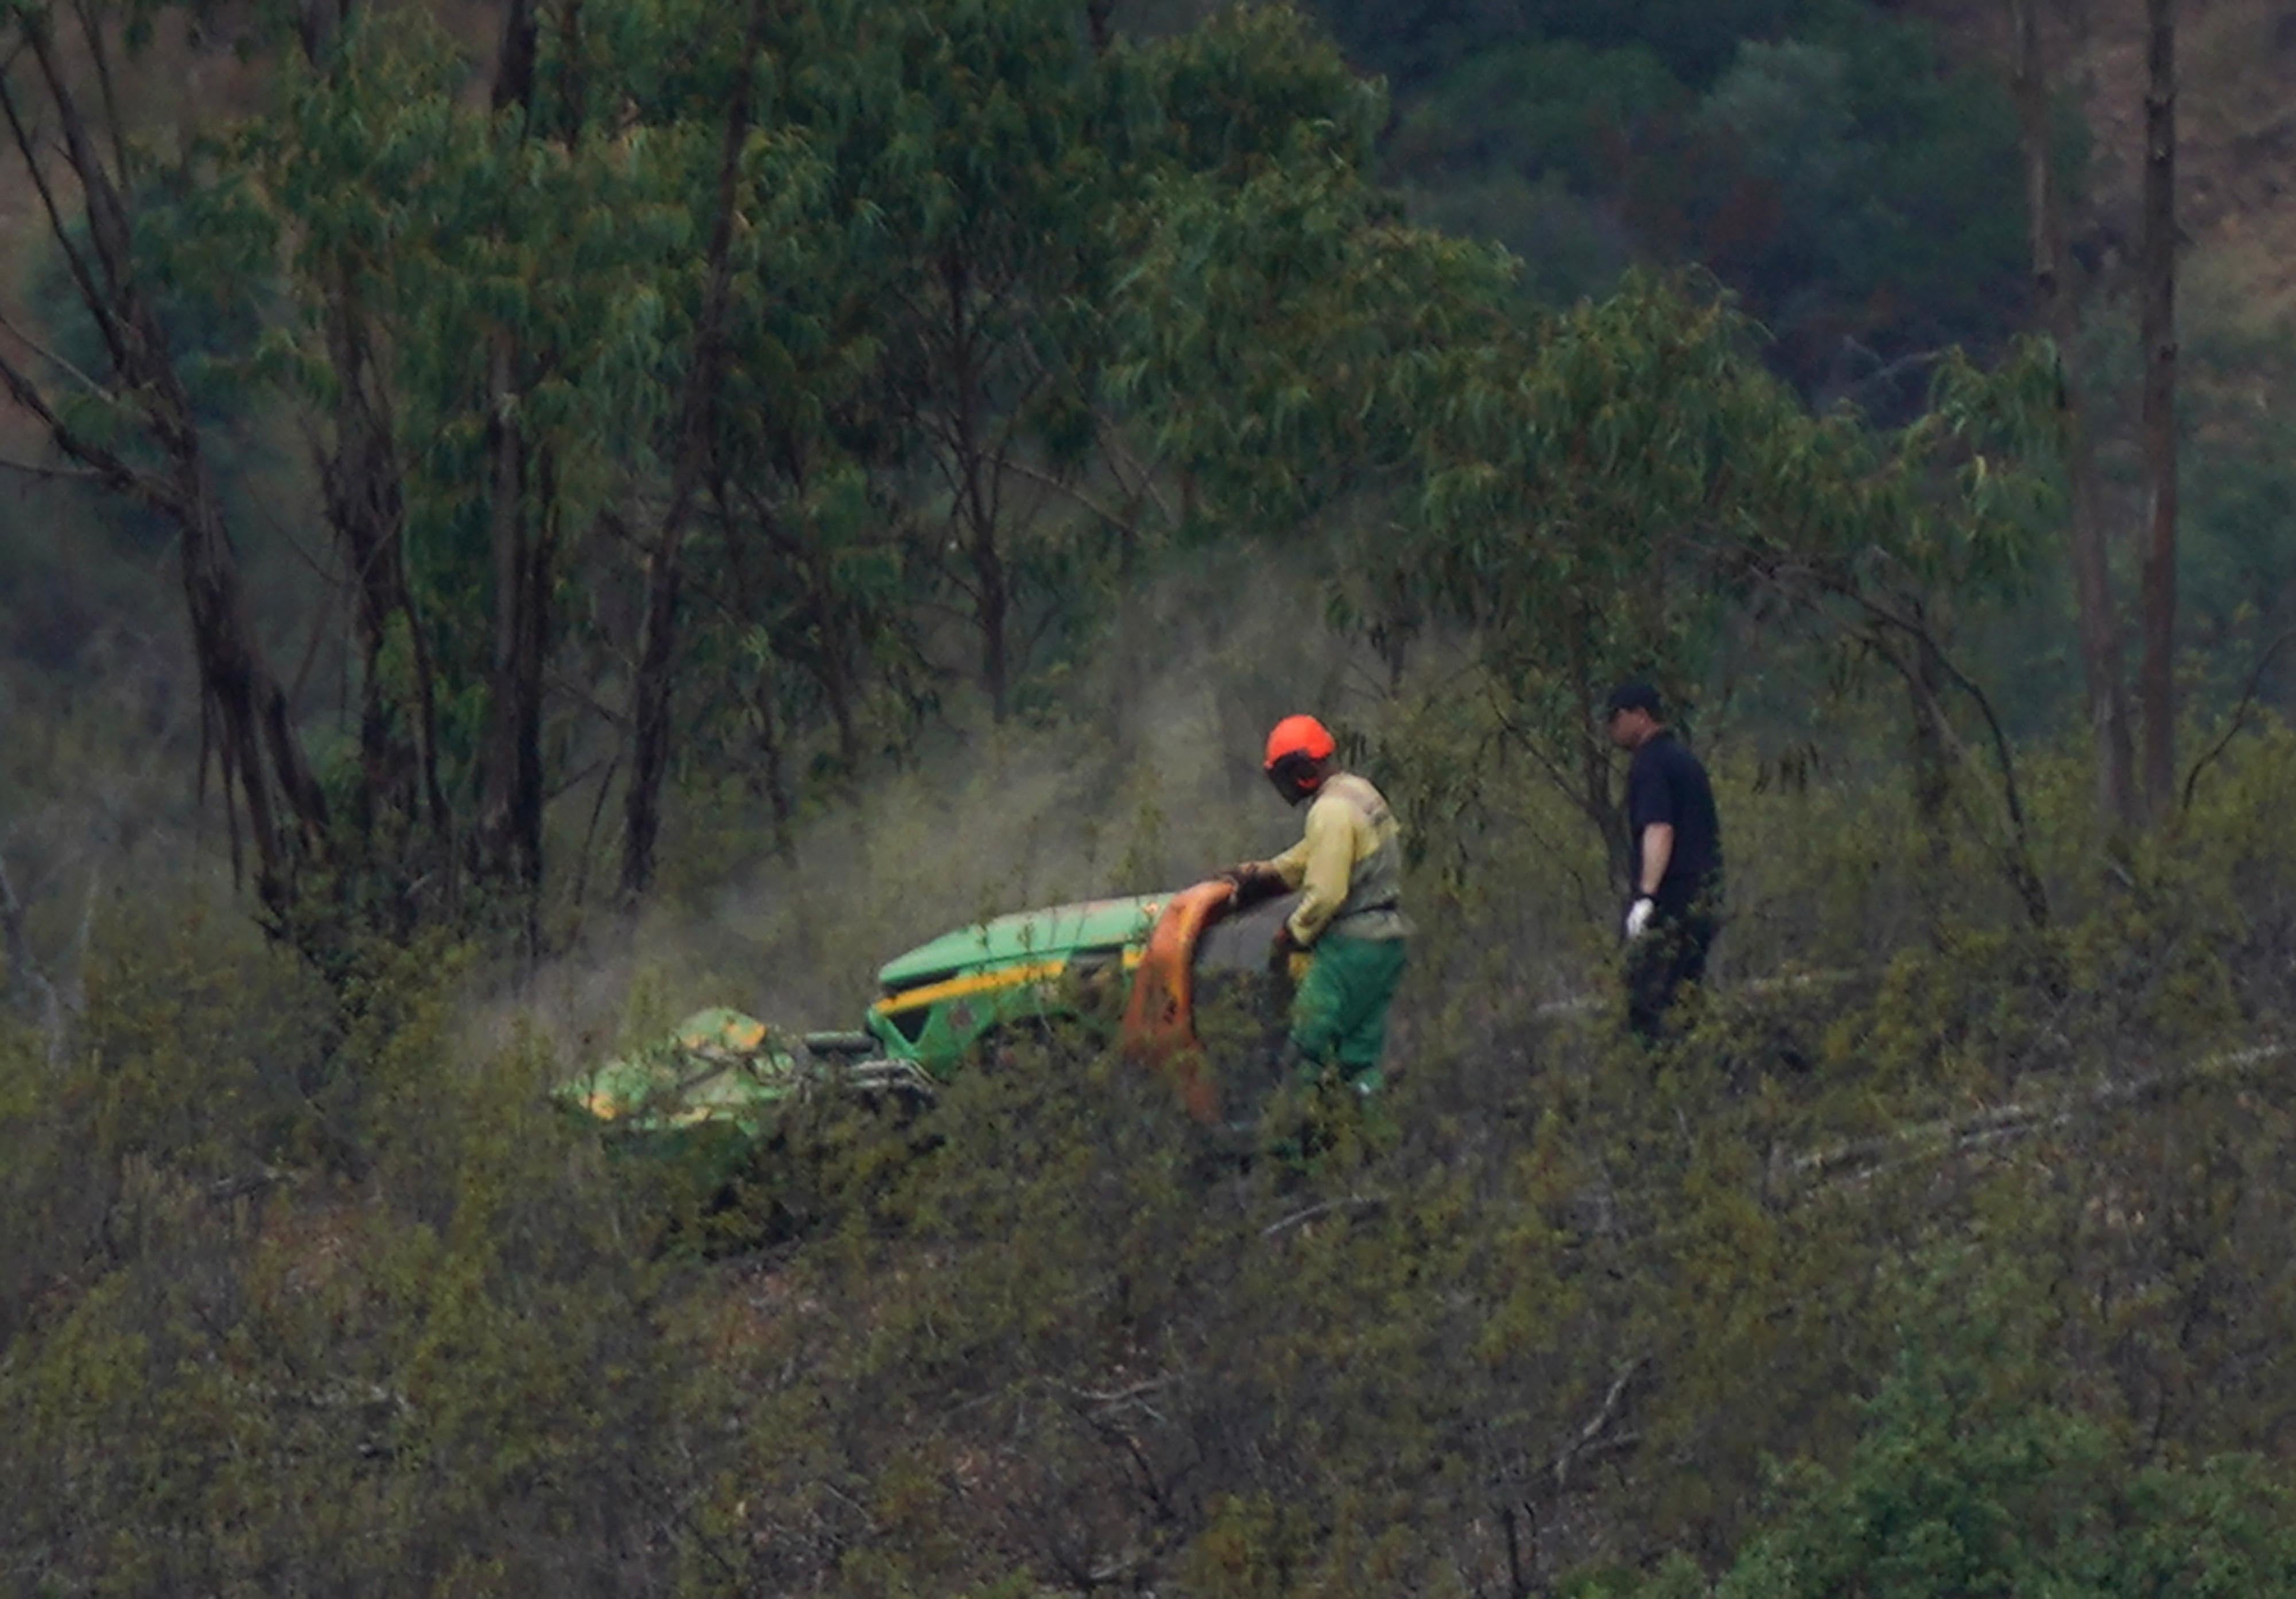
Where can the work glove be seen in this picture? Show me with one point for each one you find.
(1282, 947)
(1254, 882)
(1639, 916)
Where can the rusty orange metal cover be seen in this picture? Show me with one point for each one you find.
(1160, 1023)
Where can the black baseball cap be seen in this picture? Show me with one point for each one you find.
(1635, 695)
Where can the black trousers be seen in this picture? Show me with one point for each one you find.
(1671, 952)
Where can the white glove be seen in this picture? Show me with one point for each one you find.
(1639, 916)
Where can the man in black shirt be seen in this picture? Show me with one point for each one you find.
(1674, 858)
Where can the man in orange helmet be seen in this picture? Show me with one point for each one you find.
(1349, 870)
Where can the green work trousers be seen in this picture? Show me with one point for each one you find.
(1339, 1016)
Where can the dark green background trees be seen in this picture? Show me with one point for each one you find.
(670, 503)
(685, 403)
(1824, 159)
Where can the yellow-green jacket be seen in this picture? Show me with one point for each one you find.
(1349, 864)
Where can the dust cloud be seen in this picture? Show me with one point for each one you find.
(1143, 776)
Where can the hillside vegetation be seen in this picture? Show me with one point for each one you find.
(525, 520)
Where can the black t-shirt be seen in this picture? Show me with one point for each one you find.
(1665, 783)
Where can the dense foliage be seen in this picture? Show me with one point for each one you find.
(645, 502)
(1960, 1274)
(1823, 158)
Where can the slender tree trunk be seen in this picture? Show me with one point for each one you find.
(768, 775)
(1597, 795)
(773, 767)
(2100, 627)
(509, 819)
(831, 663)
(835, 619)
(514, 67)
(1932, 772)
(992, 583)
(840, 646)
(1904, 641)
(650, 692)
(2160, 336)
(360, 480)
(574, 79)
(363, 487)
(508, 841)
(837, 685)
(254, 728)
(252, 733)
(320, 22)
(973, 516)
(995, 613)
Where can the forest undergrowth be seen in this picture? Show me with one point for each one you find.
(310, 1289)
(542, 517)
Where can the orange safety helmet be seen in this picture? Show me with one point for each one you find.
(1294, 747)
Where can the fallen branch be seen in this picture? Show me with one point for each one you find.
(1353, 1202)
(1600, 1423)
(228, 1189)
(1949, 1135)
(1120, 1395)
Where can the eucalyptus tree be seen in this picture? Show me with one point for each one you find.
(2157, 684)
(484, 298)
(556, 294)
(791, 324)
(1586, 494)
(670, 380)
(132, 426)
(2087, 545)
(968, 133)
(690, 456)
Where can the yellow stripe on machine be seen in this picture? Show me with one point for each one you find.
(984, 982)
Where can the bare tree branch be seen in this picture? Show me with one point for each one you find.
(102, 462)
(68, 474)
(28, 147)
(93, 387)
(1114, 519)
(2239, 715)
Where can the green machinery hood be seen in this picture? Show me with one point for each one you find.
(718, 1066)
(1026, 938)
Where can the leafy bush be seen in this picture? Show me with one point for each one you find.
(1969, 1478)
(307, 1285)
